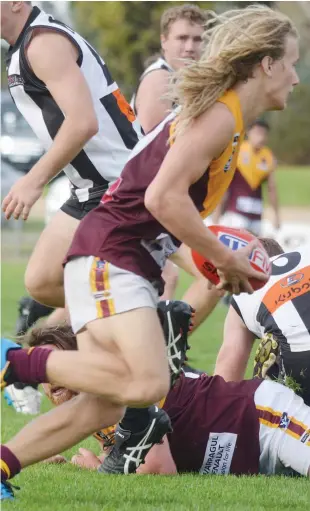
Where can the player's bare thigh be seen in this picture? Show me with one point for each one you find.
(137, 338)
(44, 273)
(115, 314)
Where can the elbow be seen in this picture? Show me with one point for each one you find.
(88, 127)
(154, 203)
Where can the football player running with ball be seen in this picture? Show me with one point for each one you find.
(113, 268)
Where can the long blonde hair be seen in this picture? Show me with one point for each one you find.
(233, 44)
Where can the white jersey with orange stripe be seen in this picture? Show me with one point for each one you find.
(282, 306)
(102, 159)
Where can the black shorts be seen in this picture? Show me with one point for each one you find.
(78, 210)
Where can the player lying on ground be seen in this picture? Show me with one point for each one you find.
(249, 427)
(113, 273)
(279, 314)
(176, 320)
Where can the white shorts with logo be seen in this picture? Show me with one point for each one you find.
(284, 434)
(97, 289)
(238, 221)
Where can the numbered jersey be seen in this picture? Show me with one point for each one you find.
(282, 306)
(103, 157)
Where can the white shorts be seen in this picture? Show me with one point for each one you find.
(238, 221)
(97, 289)
(284, 434)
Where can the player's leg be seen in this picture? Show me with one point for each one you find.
(118, 308)
(284, 430)
(171, 276)
(63, 427)
(44, 273)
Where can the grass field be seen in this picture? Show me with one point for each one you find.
(67, 488)
(293, 185)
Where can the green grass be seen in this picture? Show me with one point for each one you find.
(293, 185)
(67, 488)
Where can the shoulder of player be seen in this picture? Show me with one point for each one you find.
(46, 43)
(159, 78)
(218, 124)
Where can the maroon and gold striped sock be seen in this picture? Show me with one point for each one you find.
(28, 365)
(9, 464)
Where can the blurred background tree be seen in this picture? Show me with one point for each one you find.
(127, 33)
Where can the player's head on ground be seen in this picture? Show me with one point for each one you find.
(272, 247)
(55, 338)
(258, 133)
(181, 29)
(13, 18)
(253, 50)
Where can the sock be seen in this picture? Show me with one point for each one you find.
(9, 464)
(135, 419)
(28, 365)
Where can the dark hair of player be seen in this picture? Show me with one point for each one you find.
(60, 336)
(271, 246)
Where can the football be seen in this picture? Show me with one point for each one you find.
(234, 239)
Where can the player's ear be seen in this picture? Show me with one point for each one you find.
(163, 40)
(17, 6)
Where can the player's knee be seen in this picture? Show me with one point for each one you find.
(33, 283)
(38, 284)
(147, 392)
(101, 415)
(96, 413)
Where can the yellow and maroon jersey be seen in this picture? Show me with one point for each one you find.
(215, 425)
(245, 192)
(122, 231)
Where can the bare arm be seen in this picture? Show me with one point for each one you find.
(52, 58)
(159, 460)
(151, 106)
(168, 200)
(273, 198)
(231, 362)
(167, 196)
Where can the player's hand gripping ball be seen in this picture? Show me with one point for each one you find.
(234, 239)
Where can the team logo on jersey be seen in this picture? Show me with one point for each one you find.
(15, 80)
(234, 147)
(231, 241)
(291, 280)
(284, 290)
(284, 421)
(100, 265)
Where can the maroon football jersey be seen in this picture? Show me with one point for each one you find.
(215, 425)
(121, 230)
(242, 199)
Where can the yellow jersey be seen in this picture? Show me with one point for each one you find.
(255, 166)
